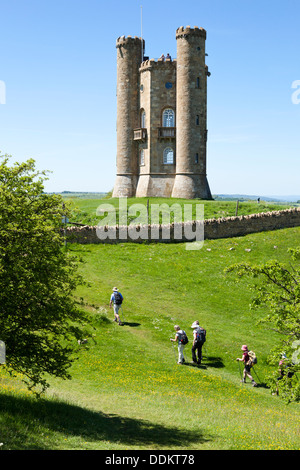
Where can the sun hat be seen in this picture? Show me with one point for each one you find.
(115, 289)
(244, 347)
(195, 324)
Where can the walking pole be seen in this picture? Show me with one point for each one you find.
(256, 374)
(174, 352)
(122, 314)
(240, 371)
(203, 350)
(185, 359)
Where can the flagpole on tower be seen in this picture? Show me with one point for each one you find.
(142, 32)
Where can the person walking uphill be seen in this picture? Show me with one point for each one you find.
(247, 365)
(116, 299)
(181, 339)
(199, 338)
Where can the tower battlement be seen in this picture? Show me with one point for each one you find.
(129, 40)
(151, 63)
(188, 31)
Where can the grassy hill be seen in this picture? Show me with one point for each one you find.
(127, 390)
(84, 209)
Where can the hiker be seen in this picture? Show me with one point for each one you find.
(116, 299)
(247, 363)
(180, 339)
(284, 366)
(199, 338)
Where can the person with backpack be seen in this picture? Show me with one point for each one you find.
(284, 371)
(182, 339)
(248, 363)
(199, 338)
(116, 299)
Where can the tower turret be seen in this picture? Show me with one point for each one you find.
(191, 128)
(129, 58)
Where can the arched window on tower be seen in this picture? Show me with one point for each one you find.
(168, 118)
(168, 156)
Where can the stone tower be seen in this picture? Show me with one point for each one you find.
(162, 119)
(129, 57)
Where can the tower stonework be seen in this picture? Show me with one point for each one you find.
(129, 57)
(191, 181)
(155, 177)
(162, 119)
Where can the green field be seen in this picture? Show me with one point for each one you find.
(127, 390)
(84, 208)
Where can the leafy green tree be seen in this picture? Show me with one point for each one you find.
(277, 293)
(39, 318)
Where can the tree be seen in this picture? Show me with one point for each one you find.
(39, 318)
(278, 293)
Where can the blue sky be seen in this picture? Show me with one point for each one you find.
(58, 65)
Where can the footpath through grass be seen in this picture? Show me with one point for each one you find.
(127, 390)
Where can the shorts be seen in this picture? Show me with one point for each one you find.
(116, 308)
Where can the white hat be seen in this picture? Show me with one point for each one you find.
(115, 289)
(195, 324)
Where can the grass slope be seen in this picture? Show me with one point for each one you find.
(84, 210)
(127, 390)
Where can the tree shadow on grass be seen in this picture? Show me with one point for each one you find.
(28, 419)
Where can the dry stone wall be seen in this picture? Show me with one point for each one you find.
(226, 227)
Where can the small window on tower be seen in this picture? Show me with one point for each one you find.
(197, 120)
(197, 158)
(168, 156)
(142, 157)
(198, 82)
(143, 119)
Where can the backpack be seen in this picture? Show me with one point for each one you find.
(201, 335)
(252, 358)
(118, 298)
(184, 338)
